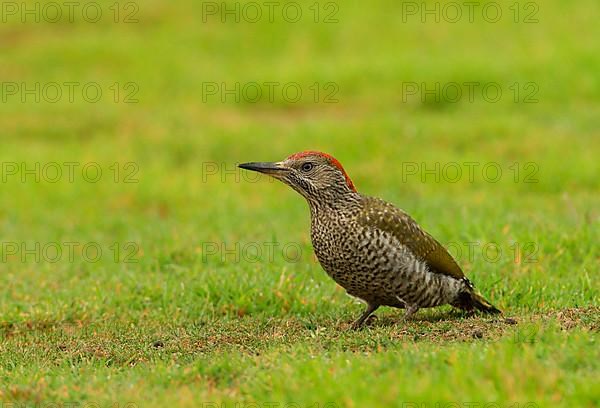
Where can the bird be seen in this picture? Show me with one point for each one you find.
(373, 249)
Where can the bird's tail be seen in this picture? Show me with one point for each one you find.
(483, 305)
(469, 300)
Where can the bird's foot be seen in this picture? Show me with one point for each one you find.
(357, 325)
(410, 311)
(361, 320)
(370, 320)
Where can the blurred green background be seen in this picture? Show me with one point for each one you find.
(183, 325)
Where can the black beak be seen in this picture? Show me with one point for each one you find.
(264, 167)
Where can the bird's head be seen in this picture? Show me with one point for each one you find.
(318, 176)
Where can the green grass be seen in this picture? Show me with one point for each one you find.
(185, 325)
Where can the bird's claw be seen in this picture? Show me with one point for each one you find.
(361, 323)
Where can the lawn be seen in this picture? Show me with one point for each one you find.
(139, 267)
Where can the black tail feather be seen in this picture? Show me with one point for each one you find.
(483, 305)
(473, 301)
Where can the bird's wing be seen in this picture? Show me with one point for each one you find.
(386, 217)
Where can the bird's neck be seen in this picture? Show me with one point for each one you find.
(336, 206)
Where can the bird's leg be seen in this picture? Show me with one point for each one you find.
(371, 307)
(410, 310)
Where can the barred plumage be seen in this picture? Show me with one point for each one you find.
(374, 250)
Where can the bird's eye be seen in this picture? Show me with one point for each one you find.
(307, 167)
